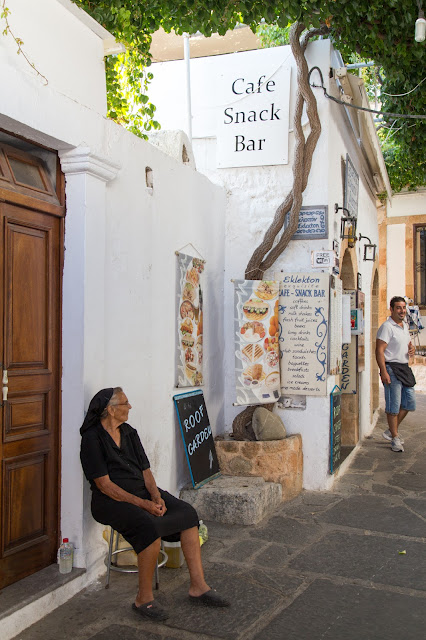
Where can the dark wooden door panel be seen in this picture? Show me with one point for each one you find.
(27, 303)
(24, 479)
(25, 416)
(30, 318)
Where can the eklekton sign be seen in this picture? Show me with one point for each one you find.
(253, 120)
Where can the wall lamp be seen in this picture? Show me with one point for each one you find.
(420, 28)
(347, 225)
(369, 249)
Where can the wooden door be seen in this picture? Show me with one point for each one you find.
(30, 308)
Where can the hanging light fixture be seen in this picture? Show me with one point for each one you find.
(420, 29)
(347, 226)
(369, 249)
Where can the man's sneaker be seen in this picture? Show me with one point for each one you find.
(388, 436)
(396, 444)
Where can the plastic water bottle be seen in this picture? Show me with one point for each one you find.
(65, 556)
(203, 533)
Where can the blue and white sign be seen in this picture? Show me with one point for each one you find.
(313, 223)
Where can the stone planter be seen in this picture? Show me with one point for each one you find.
(275, 461)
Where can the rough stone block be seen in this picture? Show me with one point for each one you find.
(275, 461)
(267, 426)
(234, 500)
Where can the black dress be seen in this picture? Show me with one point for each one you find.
(100, 456)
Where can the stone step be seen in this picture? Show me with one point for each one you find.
(234, 500)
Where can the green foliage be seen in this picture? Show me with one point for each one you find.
(271, 35)
(127, 74)
(384, 34)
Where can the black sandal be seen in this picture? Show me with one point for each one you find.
(151, 611)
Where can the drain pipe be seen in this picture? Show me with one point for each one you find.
(187, 58)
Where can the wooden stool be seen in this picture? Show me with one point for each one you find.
(112, 564)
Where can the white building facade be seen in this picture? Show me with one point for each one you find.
(118, 240)
(254, 193)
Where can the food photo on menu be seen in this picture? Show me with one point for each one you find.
(190, 322)
(257, 339)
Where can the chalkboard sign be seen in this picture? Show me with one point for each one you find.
(335, 427)
(197, 437)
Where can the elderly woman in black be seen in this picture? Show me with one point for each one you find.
(126, 497)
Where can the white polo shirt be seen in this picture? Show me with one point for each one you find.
(397, 339)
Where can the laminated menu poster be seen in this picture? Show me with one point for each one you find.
(303, 332)
(257, 375)
(189, 358)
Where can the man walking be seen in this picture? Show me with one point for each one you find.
(393, 349)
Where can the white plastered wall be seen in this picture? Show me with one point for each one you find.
(403, 206)
(395, 246)
(408, 204)
(120, 265)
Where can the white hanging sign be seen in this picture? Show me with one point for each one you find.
(253, 121)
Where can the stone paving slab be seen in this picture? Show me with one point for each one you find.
(375, 514)
(123, 632)
(248, 604)
(383, 489)
(275, 556)
(277, 580)
(418, 505)
(367, 557)
(327, 611)
(409, 480)
(287, 531)
(242, 551)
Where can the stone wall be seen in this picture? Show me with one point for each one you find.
(278, 461)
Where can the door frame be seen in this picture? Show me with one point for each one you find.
(25, 200)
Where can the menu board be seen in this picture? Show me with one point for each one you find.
(257, 375)
(348, 379)
(189, 368)
(197, 437)
(303, 332)
(335, 359)
(335, 428)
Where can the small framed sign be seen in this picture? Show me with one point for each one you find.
(323, 259)
(313, 223)
(359, 282)
(197, 437)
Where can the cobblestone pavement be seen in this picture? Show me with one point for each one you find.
(325, 565)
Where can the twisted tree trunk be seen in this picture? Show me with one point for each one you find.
(267, 253)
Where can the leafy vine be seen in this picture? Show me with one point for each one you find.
(4, 15)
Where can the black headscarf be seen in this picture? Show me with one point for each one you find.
(96, 406)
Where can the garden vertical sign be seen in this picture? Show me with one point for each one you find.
(197, 437)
